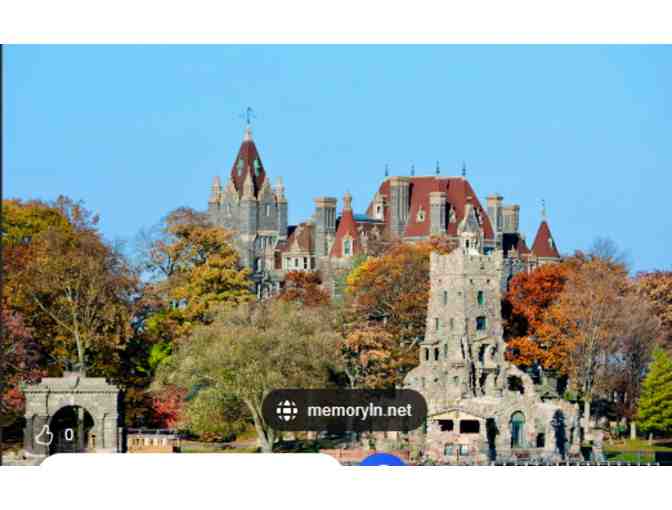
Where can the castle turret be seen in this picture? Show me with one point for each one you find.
(325, 224)
(464, 324)
(281, 200)
(213, 201)
(495, 206)
(399, 205)
(544, 246)
(437, 214)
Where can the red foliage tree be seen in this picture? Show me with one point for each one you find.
(304, 287)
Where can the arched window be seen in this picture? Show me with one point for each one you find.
(517, 430)
(347, 247)
(436, 354)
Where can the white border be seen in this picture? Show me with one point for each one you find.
(343, 21)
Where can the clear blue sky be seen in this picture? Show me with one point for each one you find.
(136, 131)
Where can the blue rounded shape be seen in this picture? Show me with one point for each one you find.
(382, 459)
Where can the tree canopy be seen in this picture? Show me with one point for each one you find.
(247, 352)
(655, 408)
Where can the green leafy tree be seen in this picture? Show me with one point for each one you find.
(247, 352)
(655, 404)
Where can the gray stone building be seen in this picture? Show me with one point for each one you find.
(406, 208)
(480, 406)
(254, 211)
(72, 413)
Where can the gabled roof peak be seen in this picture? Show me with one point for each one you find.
(544, 245)
(248, 164)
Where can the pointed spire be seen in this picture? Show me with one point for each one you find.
(347, 201)
(216, 189)
(438, 168)
(280, 190)
(412, 169)
(247, 137)
(544, 245)
(464, 169)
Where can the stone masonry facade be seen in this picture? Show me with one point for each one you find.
(52, 395)
(404, 208)
(480, 406)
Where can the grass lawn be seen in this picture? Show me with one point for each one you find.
(636, 450)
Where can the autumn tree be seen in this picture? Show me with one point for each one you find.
(587, 316)
(192, 266)
(18, 363)
(370, 358)
(655, 406)
(85, 286)
(72, 282)
(304, 287)
(246, 353)
(531, 338)
(22, 222)
(390, 292)
(637, 331)
(656, 286)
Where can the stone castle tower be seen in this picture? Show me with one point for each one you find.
(480, 406)
(464, 324)
(250, 207)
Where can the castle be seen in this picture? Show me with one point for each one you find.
(479, 405)
(406, 208)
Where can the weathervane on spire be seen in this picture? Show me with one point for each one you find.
(464, 169)
(387, 170)
(412, 169)
(438, 168)
(248, 115)
(543, 209)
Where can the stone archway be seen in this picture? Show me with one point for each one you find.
(52, 395)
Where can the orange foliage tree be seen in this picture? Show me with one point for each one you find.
(371, 360)
(389, 293)
(531, 337)
(305, 288)
(656, 286)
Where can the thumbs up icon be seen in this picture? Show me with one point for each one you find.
(45, 437)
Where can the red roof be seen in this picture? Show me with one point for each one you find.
(346, 227)
(521, 247)
(248, 154)
(457, 190)
(544, 245)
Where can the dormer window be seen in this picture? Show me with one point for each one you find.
(240, 166)
(347, 247)
(257, 166)
(421, 215)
